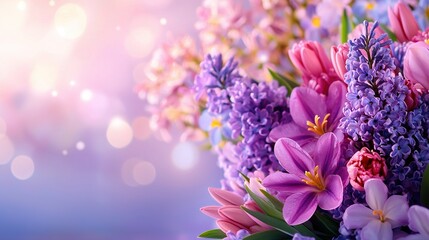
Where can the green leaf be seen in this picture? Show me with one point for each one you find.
(284, 81)
(276, 203)
(273, 222)
(270, 234)
(328, 223)
(214, 234)
(247, 179)
(424, 189)
(345, 29)
(265, 205)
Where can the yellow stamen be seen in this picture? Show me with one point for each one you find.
(380, 215)
(216, 123)
(315, 21)
(317, 127)
(314, 179)
(370, 6)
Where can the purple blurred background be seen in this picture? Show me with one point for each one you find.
(78, 160)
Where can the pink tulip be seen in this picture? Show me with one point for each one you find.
(403, 23)
(230, 217)
(338, 57)
(415, 63)
(365, 165)
(310, 59)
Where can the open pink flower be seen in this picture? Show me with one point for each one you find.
(309, 182)
(364, 165)
(383, 214)
(230, 217)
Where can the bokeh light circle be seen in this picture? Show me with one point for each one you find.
(185, 155)
(22, 167)
(119, 133)
(7, 149)
(144, 173)
(80, 145)
(70, 21)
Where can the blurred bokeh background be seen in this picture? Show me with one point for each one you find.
(78, 160)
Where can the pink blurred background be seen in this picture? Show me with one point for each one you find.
(77, 158)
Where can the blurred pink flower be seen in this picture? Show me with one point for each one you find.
(415, 63)
(403, 23)
(360, 30)
(338, 57)
(229, 216)
(364, 165)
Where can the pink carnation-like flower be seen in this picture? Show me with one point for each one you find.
(365, 165)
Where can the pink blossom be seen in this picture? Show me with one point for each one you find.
(415, 63)
(311, 60)
(412, 98)
(229, 216)
(403, 23)
(364, 165)
(338, 57)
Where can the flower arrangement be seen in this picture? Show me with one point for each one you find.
(322, 147)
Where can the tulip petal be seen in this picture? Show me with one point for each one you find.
(227, 226)
(292, 157)
(375, 193)
(299, 207)
(305, 104)
(357, 216)
(285, 183)
(418, 218)
(395, 25)
(311, 62)
(211, 211)
(225, 197)
(377, 230)
(395, 210)
(332, 196)
(236, 214)
(327, 153)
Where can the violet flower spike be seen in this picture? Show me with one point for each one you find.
(383, 214)
(313, 115)
(310, 182)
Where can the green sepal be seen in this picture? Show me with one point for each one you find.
(345, 28)
(246, 178)
(213, 234)
(270, 234)
(424, 189)
(289, 84)
(265, 205)
(276, 203)
(273, 222)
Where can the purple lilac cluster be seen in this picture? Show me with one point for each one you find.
(250, 108)
(376, 115)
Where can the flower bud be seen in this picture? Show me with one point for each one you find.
(364, 165)
(403, 23)
(338, 57)
(310, 59)
(415, 63)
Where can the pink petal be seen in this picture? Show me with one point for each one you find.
(236, 214)
(327, 153)
(305, 104)
(285, 183)
(311, 62)
(357, 216)
(225, 197)
(408, 22)
(335, 103)
(375, 193)
(377, 230)
(295, 57)
(332, 196)
(293, 131)
(292, 157)
(419, 218)
(227, 226)
(299, 207)
(396, 25)
(395, 210)
(211, 211)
